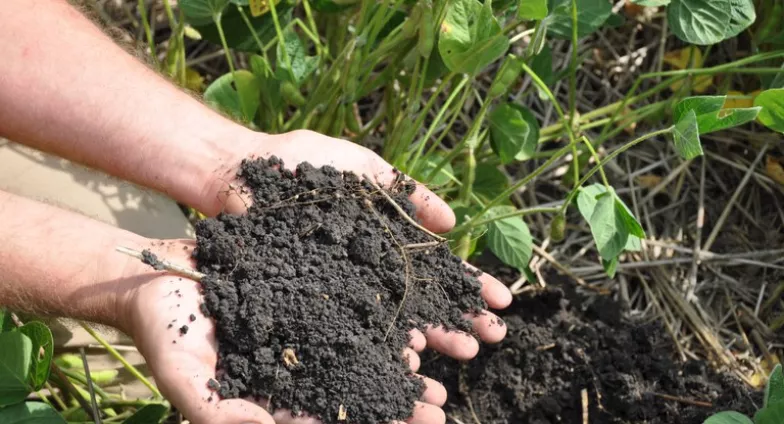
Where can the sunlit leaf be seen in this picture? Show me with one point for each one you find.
(742, 15)
(302, 65)
(41, 352)
(610, 267)
(774, 390)
(444, 175)
(470, 38)
(711, 115)
(532, 9)
(591, 15)
(509, 238)
(729, 417)
(514, 132)
(772, 113)
(773, 414)
(239, 100)
(30, 413)
(15, 354)
(490, 182)
(200, 12)
(686, 136)
(608, 227)
(700, 22)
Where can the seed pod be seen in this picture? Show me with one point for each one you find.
(352, 119)
(558, 228)
(411, 24)
(506, 75)
(291, 94)
(427, 31)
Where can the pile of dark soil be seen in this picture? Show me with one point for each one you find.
(306, 292)
(559, 345)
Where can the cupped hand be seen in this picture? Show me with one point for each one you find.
(163, 316)
(223, 194)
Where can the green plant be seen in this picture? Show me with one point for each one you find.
(772, 412)
(422, 64)
(28, 365)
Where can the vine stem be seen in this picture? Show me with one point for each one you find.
(610, 157)
(112, 351)
(506, 193)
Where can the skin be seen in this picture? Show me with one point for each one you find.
(116, 115)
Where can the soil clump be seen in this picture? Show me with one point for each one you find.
(315, 289)
(560, 344)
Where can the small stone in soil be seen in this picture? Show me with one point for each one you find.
(192, 317)
(213, 384)
(184, 330)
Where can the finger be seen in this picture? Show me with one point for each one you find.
(413, 359)
(427, 414)
(457, 344)
(418, 341)
(198, 403)
(285, 417)
(495, 293)
(435, 393)
(432, 211)
(489, 326)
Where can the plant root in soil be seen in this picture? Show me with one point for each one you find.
(315, 290)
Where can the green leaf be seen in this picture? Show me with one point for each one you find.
(608, 227)
(710, 115)
(471, 38)
(30, 413)
(201, 12)
(238, 35)
(700, 22)
(728, 417)
(610, 267)
(772, 113)
(532, 9)
(444, 175)
(774, 390)
(490, 182)
(6, 323)
(514, 132)
(509, 238)
(149, 414)
(742, 15)
(631, 224)
(686, 136)
(773, 414)
(240, 100)
(41, 352)
(15, 353)
(591, 15)
(302, 65)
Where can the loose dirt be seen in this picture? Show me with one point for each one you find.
(314, 292)
(561, 344)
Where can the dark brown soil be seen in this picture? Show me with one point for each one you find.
(560, 344)
(305, 288)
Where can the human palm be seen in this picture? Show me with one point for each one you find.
(184, 363)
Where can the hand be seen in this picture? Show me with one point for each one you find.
(183, 362)
(307, 146)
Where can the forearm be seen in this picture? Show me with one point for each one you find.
(67, 89)
(57, 263)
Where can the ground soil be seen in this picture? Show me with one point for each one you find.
(561, 344)
(306, 292)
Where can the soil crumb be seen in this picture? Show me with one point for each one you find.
(314, 292)
(560, 344)
(152, 260)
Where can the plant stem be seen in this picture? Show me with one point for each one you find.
(596, 158)
(112, 351)
(253, 33)
(281, 39)
(518, 212)
(148, 33)
(506, 193)
(610, 157)
(573, 67)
